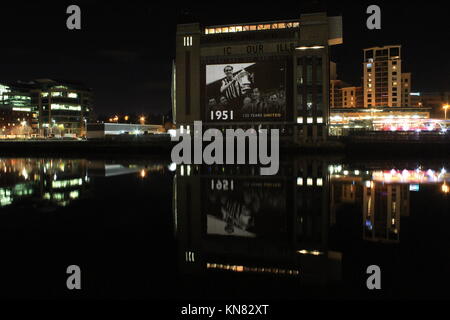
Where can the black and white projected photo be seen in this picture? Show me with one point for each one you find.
(246, 91)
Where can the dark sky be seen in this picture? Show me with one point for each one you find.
(124, 50)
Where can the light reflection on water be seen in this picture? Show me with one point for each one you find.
(319, 222)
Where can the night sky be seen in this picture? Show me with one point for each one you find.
(125, 49)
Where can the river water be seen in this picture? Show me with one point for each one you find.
(149, 229)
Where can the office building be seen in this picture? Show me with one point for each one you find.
(18, 117)
(63, 107)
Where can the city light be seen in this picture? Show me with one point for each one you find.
(445, 107)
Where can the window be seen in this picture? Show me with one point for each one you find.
(188, 41)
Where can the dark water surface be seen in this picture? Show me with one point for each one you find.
(151, 230)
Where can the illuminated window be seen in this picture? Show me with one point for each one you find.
(300, 120)
(72, 95)
(187, 41)
(56, 94)
(309, 120)
(65, 107)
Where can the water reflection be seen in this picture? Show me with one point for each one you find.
(59, 182)
(306, 221)
(319, 223)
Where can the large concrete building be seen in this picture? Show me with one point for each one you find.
(262, 75)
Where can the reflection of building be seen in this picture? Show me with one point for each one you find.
(17, 114)
(58, 182)
(384, 84)
(231, 220)
(298, 104)
(383, 206)
(382, 203)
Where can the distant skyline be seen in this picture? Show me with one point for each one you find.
(125, 50)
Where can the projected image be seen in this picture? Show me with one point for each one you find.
(246, 91)
(245, 209)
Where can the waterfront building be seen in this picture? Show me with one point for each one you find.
(384, 83)
(18, 116)
(272, 74)
(64, 108)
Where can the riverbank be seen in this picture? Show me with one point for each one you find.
(162, 148)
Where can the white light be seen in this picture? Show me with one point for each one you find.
(172, 133)
(309, 120)
(320, 120)
(299, 181)
(319, 182)
(172, 167)
(310, 48)
(300, 120)
(309, 182)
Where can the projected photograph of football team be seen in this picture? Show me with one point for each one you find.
(246, 91)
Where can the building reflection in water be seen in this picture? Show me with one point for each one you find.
(230, 218)
(383, 196)
(59, 182)
(53, 181)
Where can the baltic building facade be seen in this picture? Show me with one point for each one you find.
(272, 75)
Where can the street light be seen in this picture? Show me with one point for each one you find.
(445, 107)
